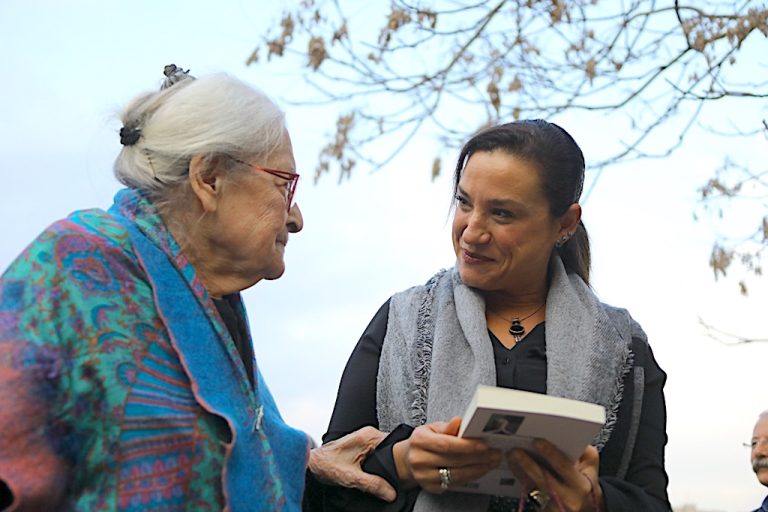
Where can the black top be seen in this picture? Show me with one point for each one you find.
(229, 309)
(522, 367)
(6, 498)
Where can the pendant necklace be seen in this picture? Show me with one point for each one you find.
(516, 328)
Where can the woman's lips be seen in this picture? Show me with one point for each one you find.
(472, 257)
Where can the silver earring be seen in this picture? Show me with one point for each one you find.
(563, 239)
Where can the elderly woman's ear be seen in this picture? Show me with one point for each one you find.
(205, 179)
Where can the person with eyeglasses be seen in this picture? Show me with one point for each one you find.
(759, 454)
(127, 373)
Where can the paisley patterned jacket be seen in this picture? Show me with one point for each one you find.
(120, 386)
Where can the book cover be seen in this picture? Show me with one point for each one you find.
(509, 418)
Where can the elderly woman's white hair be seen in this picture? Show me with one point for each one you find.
(214, 114)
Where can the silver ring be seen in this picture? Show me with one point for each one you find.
(445, 478)
(539, 498)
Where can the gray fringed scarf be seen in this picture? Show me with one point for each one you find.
(437, 350)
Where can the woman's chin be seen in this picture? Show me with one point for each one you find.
(276, 272)
(474, 279)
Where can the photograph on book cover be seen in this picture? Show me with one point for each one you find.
(503, 424)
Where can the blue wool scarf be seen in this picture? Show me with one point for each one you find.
(267, 459)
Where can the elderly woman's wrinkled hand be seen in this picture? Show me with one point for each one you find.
(340, 463)
(559, 483)
(435, 459)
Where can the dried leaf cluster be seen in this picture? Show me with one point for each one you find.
(733, 182)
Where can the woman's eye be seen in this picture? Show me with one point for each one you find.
(461, 201)
(503, 214)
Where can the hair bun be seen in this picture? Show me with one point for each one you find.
(173, 75)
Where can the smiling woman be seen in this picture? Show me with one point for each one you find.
(516, 311)
(127, 374)
(502, 229)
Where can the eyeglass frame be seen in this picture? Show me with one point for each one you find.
(286, 175)
(754, 443)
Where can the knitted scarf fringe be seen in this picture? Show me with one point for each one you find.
(612, 411)
(425, 335)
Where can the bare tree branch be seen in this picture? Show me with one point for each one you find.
(727, 338)
(453, 66)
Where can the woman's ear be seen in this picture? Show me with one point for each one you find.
(570, 220)
(205, 181)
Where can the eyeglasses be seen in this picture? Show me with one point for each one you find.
(754, 443)
(286, 175)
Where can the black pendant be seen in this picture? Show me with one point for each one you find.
(516, 329)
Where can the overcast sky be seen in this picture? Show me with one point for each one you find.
(68, 69)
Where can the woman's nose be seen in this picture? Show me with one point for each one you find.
(476, 231)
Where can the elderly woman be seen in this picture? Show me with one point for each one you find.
(127, 376)
(515, 311)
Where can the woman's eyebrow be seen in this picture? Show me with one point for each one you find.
(494, 203)
(507, 203)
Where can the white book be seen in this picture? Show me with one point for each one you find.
(508, 418)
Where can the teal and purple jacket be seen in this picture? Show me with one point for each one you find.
(120, 386)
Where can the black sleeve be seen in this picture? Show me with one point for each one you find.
(645, 484)
(6, 498)
(356, 408)
(312, 501)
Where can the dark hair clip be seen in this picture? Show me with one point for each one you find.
(129, 136)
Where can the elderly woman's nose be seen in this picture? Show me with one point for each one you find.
(295, 220)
